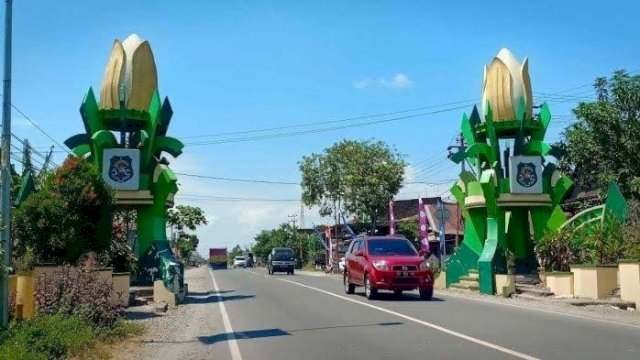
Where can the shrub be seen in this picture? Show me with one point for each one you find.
(632, 232)
(601, 244)
(46, 337)
(68, 216)
(555, 250)
(59, 337)
(80, 294)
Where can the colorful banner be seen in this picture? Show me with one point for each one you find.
(422, 221)
(392, 219)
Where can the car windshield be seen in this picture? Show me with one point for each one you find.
(283, 255)
(391, 247)
(239, 258)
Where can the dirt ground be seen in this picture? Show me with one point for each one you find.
(176, 334)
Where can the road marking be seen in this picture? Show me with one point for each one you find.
(421, 322)
(233, 343)
(488, 301)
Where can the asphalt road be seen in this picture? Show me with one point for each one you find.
(310, 317)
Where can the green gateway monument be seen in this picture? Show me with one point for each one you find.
(513, 196)
(133, 165)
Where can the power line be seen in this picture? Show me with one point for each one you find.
(284, 127)
(226, 198)
(38, 127)
(258, 181)
(305, 132)
(240, 180)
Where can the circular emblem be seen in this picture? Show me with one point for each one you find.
(120, 169)
(404, 268)
(526, 175)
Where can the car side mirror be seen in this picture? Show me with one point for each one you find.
(423, 253)
(359, 253)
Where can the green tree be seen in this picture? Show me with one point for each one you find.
(283, 236)
(408, 229)
(602, 145)
(352, 177)
(236, 251)
(69, 216)
(185, 217)
(185, 244)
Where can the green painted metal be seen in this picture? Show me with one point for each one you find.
(27, 187)
(492, 228)
(615, 205)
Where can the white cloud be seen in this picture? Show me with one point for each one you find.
(398, 81)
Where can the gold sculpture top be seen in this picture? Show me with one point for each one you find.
(505, 82)
(130, 75)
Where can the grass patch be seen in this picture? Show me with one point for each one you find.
(58, 337)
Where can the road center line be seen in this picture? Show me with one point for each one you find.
(234, 349)
(421, 322)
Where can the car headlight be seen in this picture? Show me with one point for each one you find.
(425, 265)
(381, 265)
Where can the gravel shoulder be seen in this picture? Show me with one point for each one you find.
(178, 333)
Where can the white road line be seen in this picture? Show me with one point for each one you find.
(488, 301)
(234, 349)
(421, 322)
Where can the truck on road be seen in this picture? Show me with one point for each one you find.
(218, 258)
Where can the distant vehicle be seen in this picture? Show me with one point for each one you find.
(218, 258)
(248, 259)
(281, 260)
(386, 263)
(238, 261)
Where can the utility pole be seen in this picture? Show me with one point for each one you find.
(293, 220)
(301, 215)
(460, 147)
(5, 193)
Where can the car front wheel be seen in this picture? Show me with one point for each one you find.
(348, 287)
(370, 292)
(426, 293)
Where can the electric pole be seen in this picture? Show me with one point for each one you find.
(5, 192)
(460, 147)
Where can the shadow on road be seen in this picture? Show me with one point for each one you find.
(212, 292)
(214, 298)
(384, 296)
(347, 326)
(242, 335)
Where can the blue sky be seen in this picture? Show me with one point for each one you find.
(241, 65)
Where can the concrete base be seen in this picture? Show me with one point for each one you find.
(505, 285)
(25, 304)
(160, 293)
(630, 282)
(594, 282)
(120, 292)
(560, 283)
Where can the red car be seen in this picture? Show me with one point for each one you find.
(386, 263)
